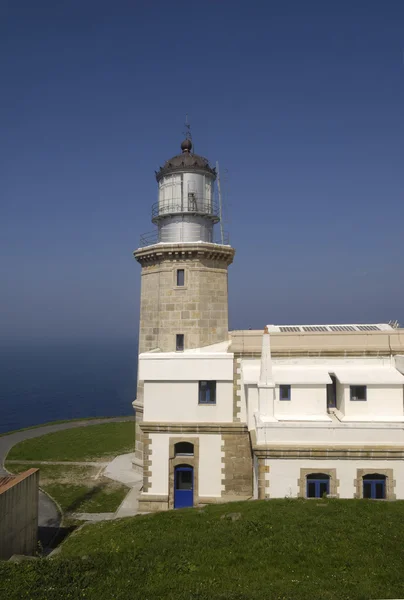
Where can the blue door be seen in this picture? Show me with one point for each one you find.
(183, 486)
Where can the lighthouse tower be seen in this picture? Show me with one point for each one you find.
(184, 297)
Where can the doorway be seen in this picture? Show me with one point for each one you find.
(183, 486)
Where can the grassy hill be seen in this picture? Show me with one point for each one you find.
(278, 549)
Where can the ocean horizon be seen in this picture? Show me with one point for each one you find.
(65, 379)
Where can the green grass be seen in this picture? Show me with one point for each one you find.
(57, 423)
(99, 498)
(279, 549)
(75, 488)
(92, 443)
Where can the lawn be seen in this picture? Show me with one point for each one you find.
(277, 549)
(90, 443)
(77, 489)
(53, 423)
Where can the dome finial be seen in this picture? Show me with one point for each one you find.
(186, 145)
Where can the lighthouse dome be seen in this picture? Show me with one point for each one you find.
(186, 161)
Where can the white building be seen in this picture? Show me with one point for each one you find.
(285, 412)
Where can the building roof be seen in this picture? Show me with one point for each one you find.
(186, 161)
(289, 374)
(298, 341)
(376, 375)
(6, 479)
(330, 328)
(9, 481)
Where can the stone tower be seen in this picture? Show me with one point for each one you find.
(184, 297)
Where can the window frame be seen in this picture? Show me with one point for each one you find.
(177, 272)
(177, 337)
(355, 398)
(317, 479)
(288, 387)
(371, 480)
(212, 391)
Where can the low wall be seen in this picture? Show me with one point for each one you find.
(19, 514)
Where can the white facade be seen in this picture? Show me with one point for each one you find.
(284, 475)
(357, 432)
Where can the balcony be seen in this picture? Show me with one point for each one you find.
(154, 237)
(192, 205)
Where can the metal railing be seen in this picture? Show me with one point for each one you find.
(154, 237)
(192, 204)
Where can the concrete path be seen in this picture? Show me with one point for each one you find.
(49, 516)
(93, 517)
(121, 469)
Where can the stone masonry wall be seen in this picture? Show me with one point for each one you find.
(199, 309)
(237, 470)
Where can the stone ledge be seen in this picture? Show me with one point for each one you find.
(327, 452)
(229, 428)
(157, 252)
(223, 499)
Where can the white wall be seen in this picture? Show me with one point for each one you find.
(330, 434)
(177, 401)
(250, 399)
(175, 366)
(340, 398)
(399, 363)
(383, 402)
(305, 401)
(284, 474)
(210, 463)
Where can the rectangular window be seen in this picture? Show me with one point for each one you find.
(179, 342)
(180, 277)
(207, 392)
(358, 392)
(284, 392)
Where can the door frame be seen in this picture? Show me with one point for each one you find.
(181, 468)
(174, 461)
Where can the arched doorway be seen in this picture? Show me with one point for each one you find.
(183, 486)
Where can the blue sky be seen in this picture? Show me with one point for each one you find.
(302, 104)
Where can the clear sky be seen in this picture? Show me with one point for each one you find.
(302, 103)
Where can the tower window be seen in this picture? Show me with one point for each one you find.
(358, 392)
(207, 392)
(284, 392)
(180, 277)
(179, 342)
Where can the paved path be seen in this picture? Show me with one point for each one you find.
(49, 516)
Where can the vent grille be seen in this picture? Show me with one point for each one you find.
(328, 328)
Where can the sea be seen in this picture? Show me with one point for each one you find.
(49, 381)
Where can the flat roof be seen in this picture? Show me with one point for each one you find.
(333, 328)
(297, 341)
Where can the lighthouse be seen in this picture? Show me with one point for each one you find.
(184, 269)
